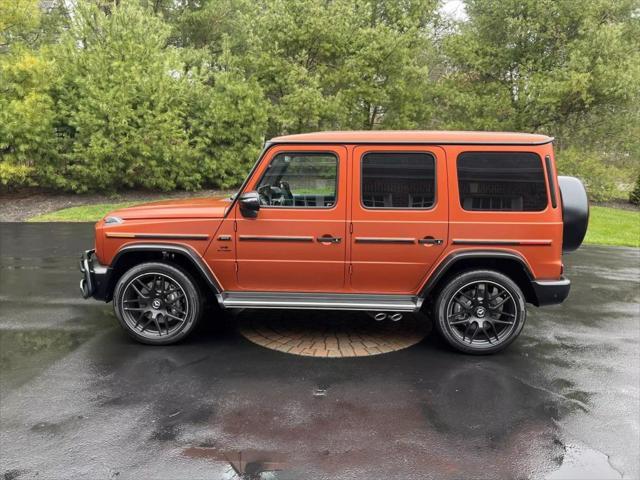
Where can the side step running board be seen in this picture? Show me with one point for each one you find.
(320, 301)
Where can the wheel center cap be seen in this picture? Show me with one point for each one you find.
(481, 312)
(156, 303)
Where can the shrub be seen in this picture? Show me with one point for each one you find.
(600, 180)
(119, 106)
(135, 116)
(634, 196)
(27, 133)
(14, 176)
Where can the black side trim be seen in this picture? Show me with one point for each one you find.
(191, 254)
(173, 236)
(552, 186)
(273, 238)
(385, 240)
(455, 257)
(159, 236)
(513, 243)
(486, 242)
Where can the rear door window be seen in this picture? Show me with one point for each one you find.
(501, 181)
(392, 180)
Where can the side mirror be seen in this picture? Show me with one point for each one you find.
(249, 204)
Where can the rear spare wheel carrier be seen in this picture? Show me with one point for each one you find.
(575, 212)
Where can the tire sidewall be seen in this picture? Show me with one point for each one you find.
(459, 281)
(178, 275)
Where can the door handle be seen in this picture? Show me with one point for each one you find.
(329, 239)
(430, 241)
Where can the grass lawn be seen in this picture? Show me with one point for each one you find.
(613, 226)
(84, 213)
(607, 226)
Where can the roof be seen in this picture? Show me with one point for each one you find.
(417, 137)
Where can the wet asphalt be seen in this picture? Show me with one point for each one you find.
(79, 399)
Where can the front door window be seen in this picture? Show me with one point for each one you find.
(300, 180)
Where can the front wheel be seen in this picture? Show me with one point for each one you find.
(480, 312)
(157, 303)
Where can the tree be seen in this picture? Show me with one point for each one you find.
(16, 18)
(167, 94)
(541, 65)
(118, 103)
(226, 121)
(130, 113)
(324, 64)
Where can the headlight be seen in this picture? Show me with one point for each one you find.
(112, 220)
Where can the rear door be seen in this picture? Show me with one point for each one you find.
(399, 216)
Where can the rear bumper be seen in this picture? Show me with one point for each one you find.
(551, 292)
(95, 277)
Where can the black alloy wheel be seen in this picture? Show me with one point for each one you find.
(157, 303)
(480, 312)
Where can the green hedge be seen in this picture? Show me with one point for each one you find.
(115, 107)
(603, 182)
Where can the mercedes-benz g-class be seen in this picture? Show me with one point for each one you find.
(466, 226)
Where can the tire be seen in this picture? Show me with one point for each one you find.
(157, 303)
(480, 320)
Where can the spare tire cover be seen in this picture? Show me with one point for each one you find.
(575, 212)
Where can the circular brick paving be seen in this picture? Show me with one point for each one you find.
(331, 334)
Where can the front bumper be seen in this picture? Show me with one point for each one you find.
(95, 279)
(551, 292)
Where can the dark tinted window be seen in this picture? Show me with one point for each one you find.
(511, 181)
(398, 180)
(300, 180)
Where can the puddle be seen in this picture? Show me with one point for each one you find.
(13, 474)
(26, 353)
(583, 463)
(245, 465)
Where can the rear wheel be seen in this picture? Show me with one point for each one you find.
(480, 312)
(157, 303)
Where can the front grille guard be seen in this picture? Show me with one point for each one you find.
(86, 283)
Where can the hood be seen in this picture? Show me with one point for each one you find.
(210, 207)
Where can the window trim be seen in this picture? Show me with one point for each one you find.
(552, 186)
(544, 181)
(435, 179)
(310, 153)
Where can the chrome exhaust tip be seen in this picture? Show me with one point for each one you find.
(395, 317)
(380, 316)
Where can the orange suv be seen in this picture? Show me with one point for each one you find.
(467, 226)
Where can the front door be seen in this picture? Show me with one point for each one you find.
(399, 216)
(296, 243)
